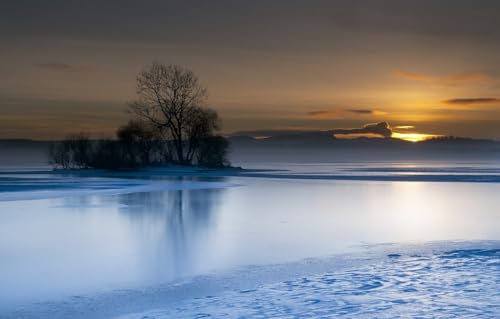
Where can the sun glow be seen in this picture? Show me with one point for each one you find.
(413, 137)
(404, 127)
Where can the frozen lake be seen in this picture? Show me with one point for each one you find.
(64, 240)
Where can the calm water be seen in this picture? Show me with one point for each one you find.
(57, 247)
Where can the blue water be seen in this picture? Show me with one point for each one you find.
(99, 247)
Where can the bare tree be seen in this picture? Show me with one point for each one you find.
(60, 155)
(168, 96)
(73, 152)
(81, 148)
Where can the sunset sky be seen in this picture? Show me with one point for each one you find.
(430, 67)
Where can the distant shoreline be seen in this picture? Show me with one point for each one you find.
(389, 175)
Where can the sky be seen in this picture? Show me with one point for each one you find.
(424, 67)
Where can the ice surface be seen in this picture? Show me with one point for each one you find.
(182, 244)
(16, 186)
(423, 171)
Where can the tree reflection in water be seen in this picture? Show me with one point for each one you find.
(174, 227)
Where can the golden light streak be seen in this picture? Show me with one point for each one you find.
(413, 137)
(352, 136)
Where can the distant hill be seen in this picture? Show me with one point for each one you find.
(23, 152)
(324, 147)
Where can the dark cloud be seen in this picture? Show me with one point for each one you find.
(322, 113)
(472, 101)
(62, 67)
(439, 19)
(233, 22)
(382, 129)
(314, 113)
(366, 112)
(361, 111)
(325, 114)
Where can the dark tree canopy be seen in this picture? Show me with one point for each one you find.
(139, 142)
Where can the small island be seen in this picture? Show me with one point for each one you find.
(169, 125)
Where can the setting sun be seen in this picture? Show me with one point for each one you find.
(413, 137)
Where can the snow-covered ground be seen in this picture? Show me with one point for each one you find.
(460, 283)
(432, 280)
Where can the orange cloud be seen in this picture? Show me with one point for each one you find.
(447, 80)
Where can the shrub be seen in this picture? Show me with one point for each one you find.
(213, 151)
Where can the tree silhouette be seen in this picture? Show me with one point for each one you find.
(171, 98)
